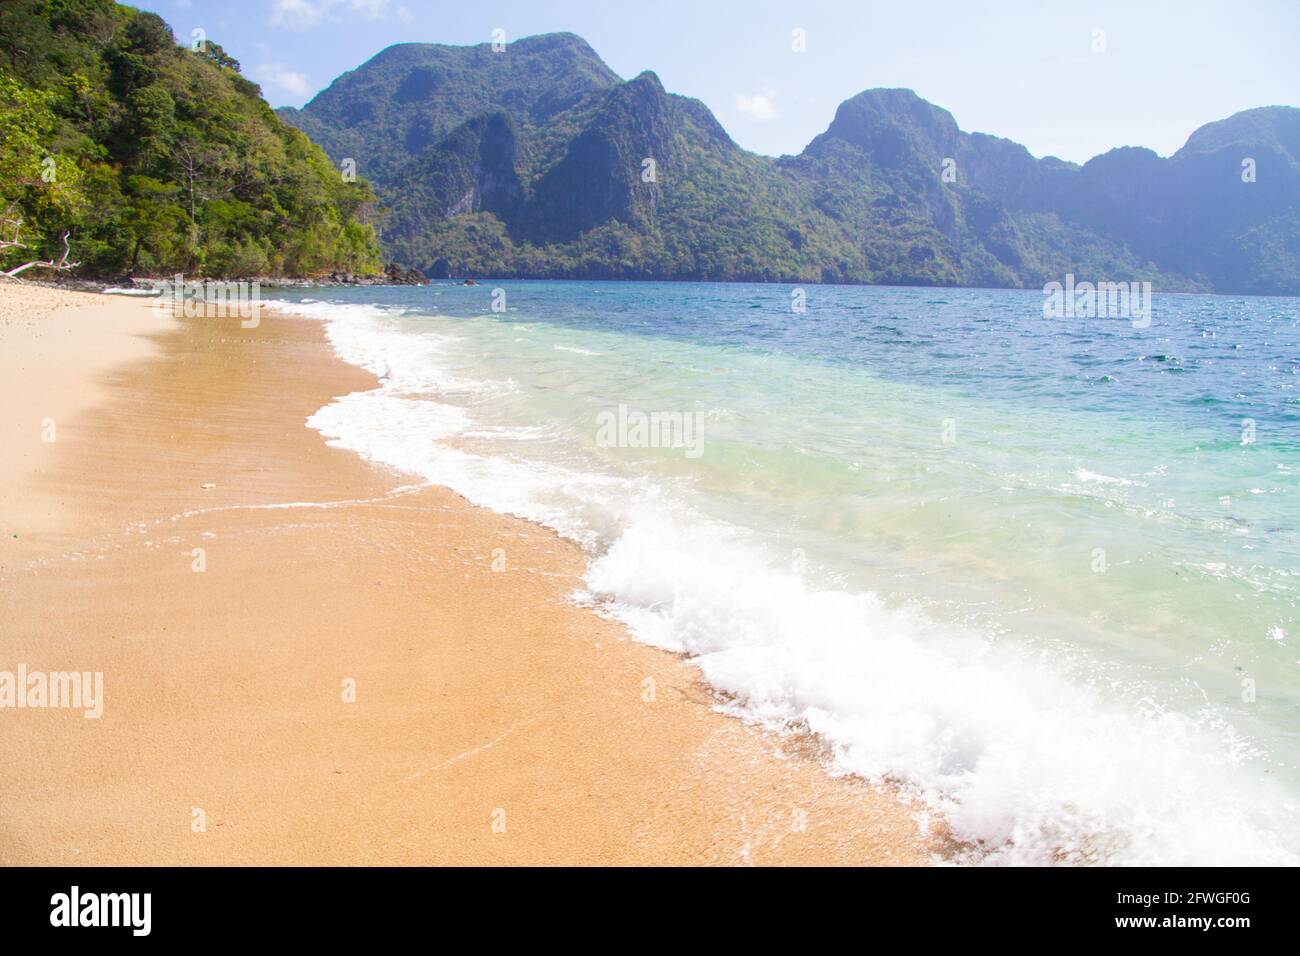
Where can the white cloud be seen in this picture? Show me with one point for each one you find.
(305, 14)
(371, 9)
(273, 74)
(758, 106)
(298, 14)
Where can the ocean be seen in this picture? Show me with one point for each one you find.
(1038, 574)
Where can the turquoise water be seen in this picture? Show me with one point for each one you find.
(1040, 573)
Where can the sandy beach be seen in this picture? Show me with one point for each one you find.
(308, 661)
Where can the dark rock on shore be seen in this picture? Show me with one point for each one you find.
(398, 276)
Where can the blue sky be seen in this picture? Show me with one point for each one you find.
(1017, 68)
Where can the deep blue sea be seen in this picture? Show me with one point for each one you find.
(1039, 574)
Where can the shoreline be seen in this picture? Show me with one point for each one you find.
(492, 720)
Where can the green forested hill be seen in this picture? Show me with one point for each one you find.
(409, 96)
(157, 158)
(529, 162)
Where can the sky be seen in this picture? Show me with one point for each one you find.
(1067, 78)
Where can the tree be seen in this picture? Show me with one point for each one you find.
(154, 158)
(39, 192)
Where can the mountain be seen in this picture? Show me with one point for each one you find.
(540, 161)
(409, 96)
(155, 158)
(1194, 209)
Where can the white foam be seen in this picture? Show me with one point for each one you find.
(116, 290)
(1084, 475)
(1023, 762)
(1026, 764)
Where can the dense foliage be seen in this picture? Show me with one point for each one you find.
(157, 158)
(530, 162)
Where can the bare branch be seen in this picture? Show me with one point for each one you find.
(62, 265)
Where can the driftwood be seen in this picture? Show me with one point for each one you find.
(60, 265)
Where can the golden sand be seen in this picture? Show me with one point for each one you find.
(237, 582)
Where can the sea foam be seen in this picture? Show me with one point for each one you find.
(1023, 761)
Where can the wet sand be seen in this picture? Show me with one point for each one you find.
(310, 662)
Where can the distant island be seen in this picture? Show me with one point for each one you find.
(134, 155)
(533, 162)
